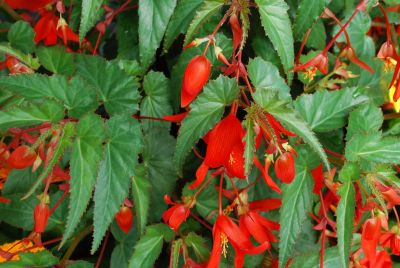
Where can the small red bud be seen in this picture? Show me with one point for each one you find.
(195, 77)
(21, 157)
(41, 215)
(124, 219)
(236, 31)
(387, 50)
(284, 167)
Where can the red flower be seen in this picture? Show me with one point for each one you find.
(16, 67)
(387, 50)
(49, 27)
(31, 5)
(124, 219)
(224, 148)
(264, 171)
(41, 215)
(349, 53)
(369, 239)
(284, 167)
(176, 214)
(319, 62)
(224, 231)
(391, 240)
(196, 76)
(22, 157)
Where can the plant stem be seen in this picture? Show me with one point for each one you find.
(74, 244)
(9, 10)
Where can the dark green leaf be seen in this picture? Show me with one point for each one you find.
(308, 12)
(31, 114)
(209, 9)
(86, 155)
(119, 160)
(277, 26)
(364, 120)
(249, 148)
(205, 112)
(56, 59)
(27, 59)
(331, 259)
(154, 16)
(127, 36)
(335, 107)
(180, 20)
(297, 200)
(141, 196)
(149, 247)
(115, 88)
(199, 246)
(21, 36)
(19, 181)
(32, 259)
(317, 36)
(91, 12)
(81, 264)
(175, 253)
(345, 221)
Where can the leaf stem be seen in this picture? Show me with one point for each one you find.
(75, 243)
(9, 10)
(103, 248)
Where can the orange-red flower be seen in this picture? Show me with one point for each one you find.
(178, 213)
(369, 239)
(284, 167)
(31, 5)
(124, 219)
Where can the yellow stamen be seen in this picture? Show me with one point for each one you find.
(18, 246)
(224, 244)
(396, 104)
(231, 159)
(390, 63)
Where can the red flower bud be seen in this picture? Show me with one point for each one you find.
(22, 157)
(284, 167)
(387, 50)
(124, 218)
(196, 75)
(41, 215)
(236, 30)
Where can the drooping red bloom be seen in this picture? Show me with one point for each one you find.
(349, 53)
(124, 219)
(195, 77)
(264, 171)
(387, 50)
(369, 239)
(284, 167)
(22, 157)
(31, 5)
(224, 231)
(319, 62)
(391, 239)
(41, 215)
(318, 176)
(236, 31)
(176, 214)
(49, 27)
(16, 67)
(224, 148)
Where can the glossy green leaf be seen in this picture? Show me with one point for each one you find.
(297, 200)
(157, 102)
(154, 16)
(117, 90)
(31, 114)
(56, 59)
(180, 20)
(21, 36)
(86, 155)
(91, 12)
(149, 247)
(327, 110)
(116, 168)
(290, 120)
(277, 26)
(209, 9)
(308, 12)
(127, 36)
(265, 77)
(205, 112)
(345, 221)
(364, 120)
(141, 196)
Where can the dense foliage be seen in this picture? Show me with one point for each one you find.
(199, 133)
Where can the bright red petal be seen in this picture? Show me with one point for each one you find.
(318, 176)
(201, 173)
(235, 164)
(265, 204)
(215, 257)
(28, 4)
(284, 167)
(266, 177)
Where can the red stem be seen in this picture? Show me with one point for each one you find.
(198, 219)
(388, 35)
(58, 202)
(220, 194)
(103, 248)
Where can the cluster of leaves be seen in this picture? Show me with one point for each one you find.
(96, 111)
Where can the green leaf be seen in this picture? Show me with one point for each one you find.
(32, 259)
(158, 154)
(199, 246)
(117, 90)
(64, 141)
(290, 119)
(317, 36)
(180, 20)
(91, 12)
(331, 259)
(141, 196)
(297, 200)
(335, 107)
(345, 221)
(86, 155)
(27, 59)
(149, 247)
(277, 26)
(31, 114)
(308, 12)
(56, 59)
(81, 264)
(208, 10)
(374, 148)
(157, 101)
(265, 76)
(76, 96)
(175, 253)
(205, 112)
(19, 181)
(154, 16)
(21, 36)
(118, 164)
(127, 35)
(249, 148)
(366, 119)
